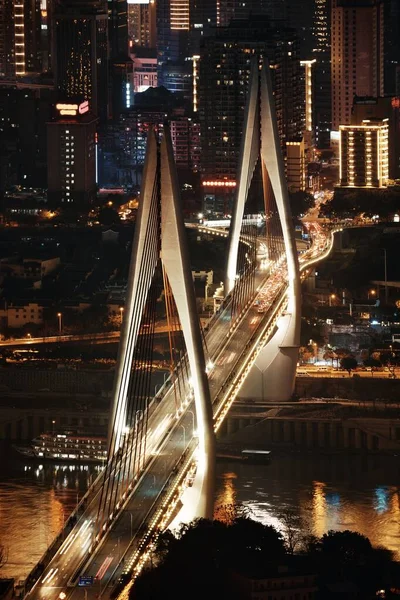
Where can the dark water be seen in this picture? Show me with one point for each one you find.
(326, 492)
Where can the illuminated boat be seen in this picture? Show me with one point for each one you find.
(67, 446)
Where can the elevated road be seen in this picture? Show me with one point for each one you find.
(149, 504)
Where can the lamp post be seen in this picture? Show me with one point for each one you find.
(386, 288)
(192, 413)
(184, 436)
(59, 315)
(121, 313)
(371, 293)
(331, 297)
(130, 514)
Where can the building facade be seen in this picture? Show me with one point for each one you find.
(357, 54)
(24, 37)
(322, 71)
(81, 53)
(71, 159)
(142, 24)
(296, 166)
(364, 154)
(224, 69)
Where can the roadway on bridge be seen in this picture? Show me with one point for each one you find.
(171, 435)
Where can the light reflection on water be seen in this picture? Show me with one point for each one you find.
(326, 492)
(35, 500)
(357, 493)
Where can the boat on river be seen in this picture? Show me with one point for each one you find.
(248, 455)
(67, 446)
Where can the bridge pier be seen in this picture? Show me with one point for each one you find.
(273, 376)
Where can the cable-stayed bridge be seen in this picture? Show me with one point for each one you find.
(161, 461)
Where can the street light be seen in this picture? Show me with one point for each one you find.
(193, 426)
(331, 297)
(184, 436)
(121, 312)
(386, 287)
(371, 293)
(59, 315)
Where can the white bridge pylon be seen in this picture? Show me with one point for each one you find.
(160, 180)
(272, 376)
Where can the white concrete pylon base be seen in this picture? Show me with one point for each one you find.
(273, 376)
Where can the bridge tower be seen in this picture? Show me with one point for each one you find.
(272, 376)
(160, 236)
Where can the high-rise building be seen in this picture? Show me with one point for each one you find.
(122, 153)
(24, 112)
(309, 86)
(142, 23)
(371, 109)
(357, 54)
(224, 68)
(321, 27)
(7, 51)
(118, 28)
(392, 46)
(295, 14)
(71, 159)
(181, 24)
(364, 154)
(24, 34)
(81, 53)
(296, 166)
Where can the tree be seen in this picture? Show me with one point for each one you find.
(108, 216)
(211, 549)
(300, 202)
(373, 363)
(228, 513)
(293, 531)
(345, 547)
(305, 354)
(389, 359)
(348, 363)
(330, 354)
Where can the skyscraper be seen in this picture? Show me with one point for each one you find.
(71, 158)
(322, 72)
(296, 14)
(181, 24)
(357, 54)
(81, 53)
(118, 28)
(23, 38)
(392, 46)
(7, 51)
(224, 68)
(142, 23)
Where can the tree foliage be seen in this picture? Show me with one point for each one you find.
(350, 203)
(202, 556)
(348, 363)
(300, 203)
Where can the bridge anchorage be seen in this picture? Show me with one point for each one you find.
(272, 376)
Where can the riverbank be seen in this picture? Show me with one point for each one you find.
(315, 427)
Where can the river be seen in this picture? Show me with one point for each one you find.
(326, 492)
